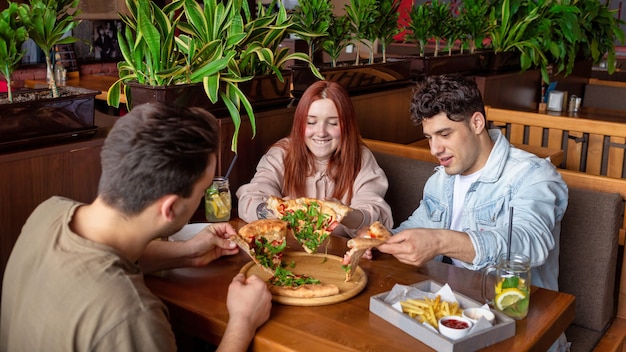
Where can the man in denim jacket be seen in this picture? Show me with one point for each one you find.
(464, 213)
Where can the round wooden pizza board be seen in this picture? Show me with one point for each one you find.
(324, 267)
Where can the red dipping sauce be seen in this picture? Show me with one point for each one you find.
(455, 324)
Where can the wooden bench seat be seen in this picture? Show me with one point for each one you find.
(592, 230)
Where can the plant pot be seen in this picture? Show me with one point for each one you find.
(262, 91)
(443, 64)
(356, 80)
(35, 118)
(504, 61)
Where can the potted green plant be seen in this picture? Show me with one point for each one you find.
(554, 35)
(48, 23)
(13, 33)
(435, 22)
(386, 24)
(216, 45)
(42, 116)
(316, 19)
(441, 17)
(513, 26)
(338, 38)
(362, 24)
(473, 21)
(362, 15)
(601, 31)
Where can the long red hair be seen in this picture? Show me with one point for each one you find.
(344, 164)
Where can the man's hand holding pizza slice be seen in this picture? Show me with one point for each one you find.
(376, 235)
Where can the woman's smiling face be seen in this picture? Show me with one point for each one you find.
(323, 132)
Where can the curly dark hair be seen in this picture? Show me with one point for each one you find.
(455, 95)
(155, 150)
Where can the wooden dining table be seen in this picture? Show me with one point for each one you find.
(196, 298)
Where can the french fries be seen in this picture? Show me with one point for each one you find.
(430, 310)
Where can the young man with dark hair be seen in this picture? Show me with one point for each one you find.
(74, 280)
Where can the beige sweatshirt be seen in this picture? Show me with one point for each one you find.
(370, 187)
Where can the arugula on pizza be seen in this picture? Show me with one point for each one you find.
(286, 283)
(312, 220)
(265, 241)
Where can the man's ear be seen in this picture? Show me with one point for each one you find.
(478, 122)
(166, 208)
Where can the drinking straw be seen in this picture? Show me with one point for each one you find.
(508, 255)
(230, 168)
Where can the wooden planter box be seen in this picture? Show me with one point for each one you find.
(262, 91)
(462, 63)
(366, 78)
(32, 123)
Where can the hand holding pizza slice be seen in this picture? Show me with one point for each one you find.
(376, 235)
(312, 220)
(264, 241)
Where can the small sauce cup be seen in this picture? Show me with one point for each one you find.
(475, 313)
(454, 327)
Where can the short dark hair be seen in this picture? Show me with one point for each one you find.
(455, 95)
(155, 150)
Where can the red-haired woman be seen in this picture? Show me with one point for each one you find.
(322, 158)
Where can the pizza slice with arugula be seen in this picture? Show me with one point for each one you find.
(286, 283)
(376, 235)
(264, 241)
(312, 220)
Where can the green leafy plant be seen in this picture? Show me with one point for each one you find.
(455, 33)
(601, 30)
(219, 45)
(419, 27)
(440, 16)
(315, 18)
(13, 34)
(511, 29)
(339, 37)
(386, 24)
(48, 22)
(559, 34)
(362, 15)
(474, 21)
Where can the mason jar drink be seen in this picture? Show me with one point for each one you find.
(512, 287)
(217, 200)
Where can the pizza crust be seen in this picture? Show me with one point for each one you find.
(378, 230)
(305, 291)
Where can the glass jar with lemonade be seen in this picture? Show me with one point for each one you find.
(217, 200)
(512, 288)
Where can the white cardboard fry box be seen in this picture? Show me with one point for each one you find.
(503, 329)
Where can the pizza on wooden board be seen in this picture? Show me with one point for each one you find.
(265, 241)
(376, 235)
(312, 220)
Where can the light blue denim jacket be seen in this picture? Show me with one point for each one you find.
(511, 178)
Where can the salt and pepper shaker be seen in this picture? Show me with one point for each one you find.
(574, 103)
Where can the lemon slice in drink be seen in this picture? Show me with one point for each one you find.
(222, 209)
(508, 297)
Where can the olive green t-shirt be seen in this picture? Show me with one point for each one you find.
(62, 292)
